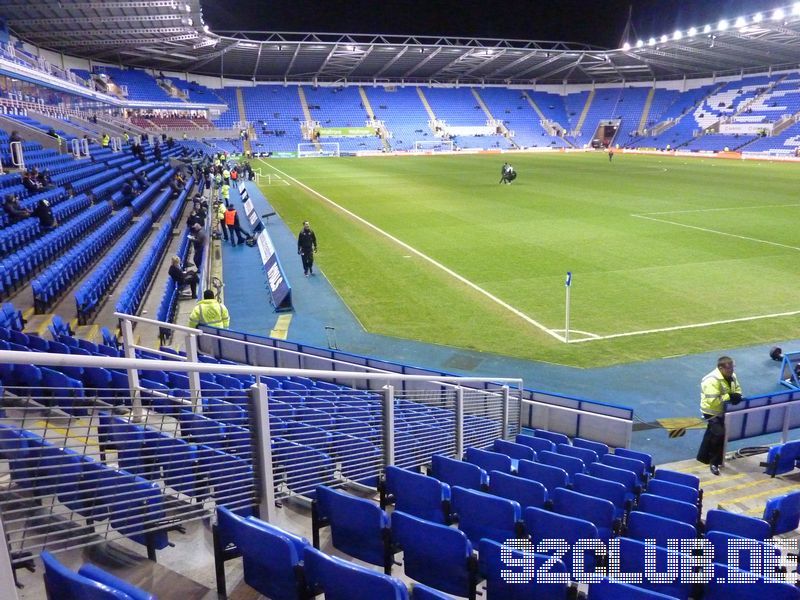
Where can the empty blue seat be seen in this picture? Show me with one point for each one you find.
(359, 527)
(550, 477)
(676, 491)
(599, 447)
(644, 457)
(543, 524)
(436, 555)
(535, 443)
(666, 507)
(342, 580)
(741, 525)
(632, 559)
(418, 495)
(782, 458)
(623, 462)
(482, 515)
(752, 588)
(509, 583)
(623, 476)
(526, 492)
(455, 472)
(783, 512)
(423, 592)
(601, 488)
(90, 583)
(556, 438)
(514, 450)
(613, 590)
(581, 506)
(645, 526)
(584, 454)
(570, 464)
(488, 461)
(751, 555)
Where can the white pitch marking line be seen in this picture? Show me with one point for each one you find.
(691, 326)
(435, 263)
(705, 229)
(699, 210)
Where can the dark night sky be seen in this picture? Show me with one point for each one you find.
(598, 22)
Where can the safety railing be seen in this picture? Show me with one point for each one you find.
(17, 155)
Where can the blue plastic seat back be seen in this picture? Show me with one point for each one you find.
(614, 590)
(543, 524)
(671, 509)
(519, 582)
(417, 495)
(748, 586)
(526, 492)
(342, 580)
(599, 447)
(601, 488)
(581, 506)
(358, 526)
(99, 575)
(488, 461)
(644, 457)
(550, 477)
(61, 583)
(455, 472)
(585, 455)
(234, 484)
(304, 468)
(783, 458)
(433, 554)
(622, 476)
(632, 560)
(788, 507)
(514, 450)
(482, 515)
(752, 555)
(556, 438)
(644, 526)
(135, 505)
(676, 491)
(622, 462)
(535, 443)
(741, 525)
(570, 464)
(423, 592)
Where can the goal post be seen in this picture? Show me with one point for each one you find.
(433, 146)
(319, 149)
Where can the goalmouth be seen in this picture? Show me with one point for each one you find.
(433, 146)
(319, 149)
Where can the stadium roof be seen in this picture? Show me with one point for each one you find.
(171, 35)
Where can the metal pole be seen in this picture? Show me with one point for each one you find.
(566, 325)
(8, 588)
(266, 481)
(388, 425)
(195, 387)
(459, 422)
(133, 373)
(504, 433)
(787, 413)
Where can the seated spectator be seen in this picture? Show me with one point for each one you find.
(43, 178)
(44, 213)
(15, 137)
(193, 218)
(92, 198)
(13, 209)
(127, 193)
(52, 133)
(31, 183)
(176, 185)
(183, 277)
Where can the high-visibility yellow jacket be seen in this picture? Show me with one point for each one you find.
(221, 213)
(105, 141)
(210, 312)
(715, 391)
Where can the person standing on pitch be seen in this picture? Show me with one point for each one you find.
(306, 247)
(717, 388)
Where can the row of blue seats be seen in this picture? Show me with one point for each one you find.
(133, 293)
(10, 317)
(169, 299)
(76, 174)
(54, 280)
(16, 268)
(90, 582)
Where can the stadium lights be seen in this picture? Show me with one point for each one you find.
(740, 22)
(758, 17)
(640, 43)
(796, 8)
(651, 42)
(722, 25)
(664, 39)
(778, 14)
(677, 35)
(707, 29)
(626, 46)
(692, 31)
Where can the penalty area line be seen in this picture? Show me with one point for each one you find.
(425, 257)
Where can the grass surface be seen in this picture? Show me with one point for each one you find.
(653, 243)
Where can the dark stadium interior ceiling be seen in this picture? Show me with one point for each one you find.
(171, 35)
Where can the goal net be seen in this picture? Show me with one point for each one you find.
(311, 150)
(433, 146)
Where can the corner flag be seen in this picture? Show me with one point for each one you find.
(568, 282)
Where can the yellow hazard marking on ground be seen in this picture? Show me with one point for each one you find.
(281, 329)
(774, 492)
(741, 486)
(86, 441)
(720, 479)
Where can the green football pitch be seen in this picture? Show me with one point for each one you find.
(669, 255)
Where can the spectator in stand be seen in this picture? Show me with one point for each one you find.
(199, 239)
(30, 183)
(176, 186)
(15, 137)
(127, 194)
(92, 198)
(43, 178)
(13, 209)
(141, 180)
(183, 277)
(194, 218)
(156, 151)
(45, 215)
(170, 142)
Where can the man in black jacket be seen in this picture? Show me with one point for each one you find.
(306, 247)
(183, 276)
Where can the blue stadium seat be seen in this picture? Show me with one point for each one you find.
(752, 555)
(581, 506)
(585, 455)
(644, 526)
(90, 583)
(569, 464)
(741, 525)
(535, 443)
(613, 590)
(359, 527)
(556, 438)
(751, 588)
(499, 583)
(783, 458)
(543, 524)
(342, 580)
(455, 472)
(436, 555)
(632, 560)
(677, 477)
(676, 491)
(783, 512)
(636, 455)
(599, 447)
(488, 461)
(418, 495)
(482, 515)
(550, 477)
(514, 450)
(671, 509)
(623, 462)
(607, 490)
(423, 592)
(526, 492)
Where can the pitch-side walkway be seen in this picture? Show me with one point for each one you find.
(654, 389)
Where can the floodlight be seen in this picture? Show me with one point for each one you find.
(707, 29)
(796, 8)
(626, 46)
(664, 39)
(778, 14)
(677, 35)
(758, 17)
(640, 43)
(206, 28)
(651, 42)
(188, 8)
(692, 31)
(722, 25)
(740, 22)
